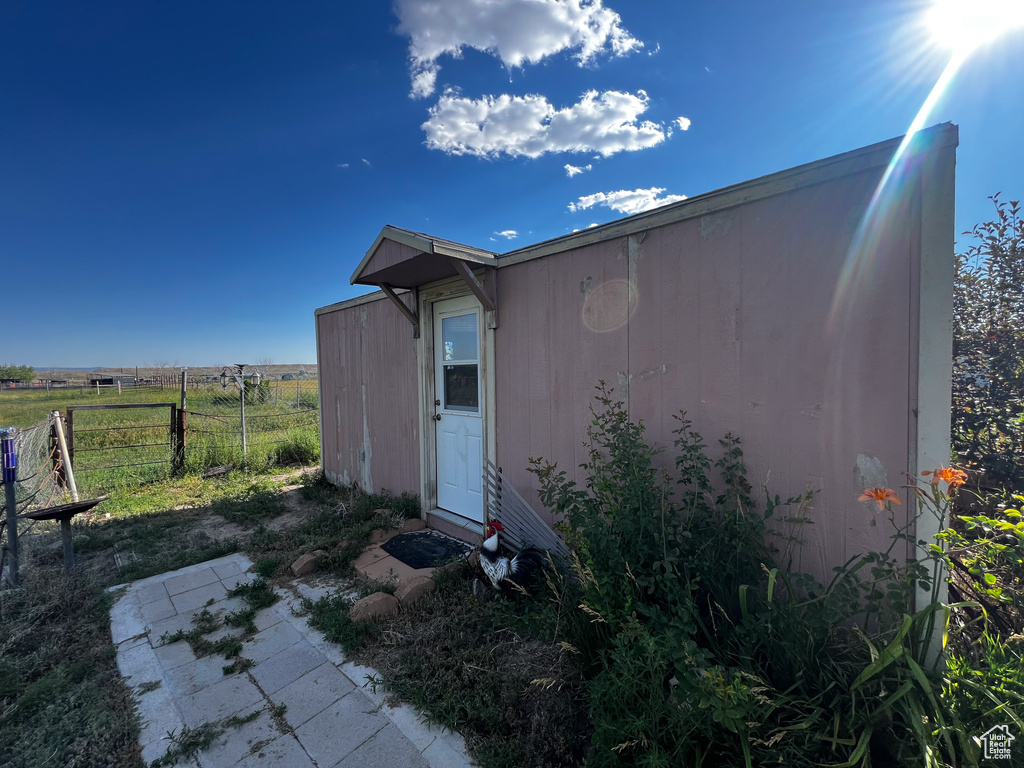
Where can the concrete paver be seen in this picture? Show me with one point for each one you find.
(287, 666)
(271, 642)
(239, 743)
(186, 582)
(385, 749)
(328, 719)
(218, 701)
(340, 729)
(285, 751)
(198, 598)
(161, 608)
(312, 693)
(192, 677)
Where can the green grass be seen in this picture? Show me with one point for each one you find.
(121, 448)
(62, 701)
(160, 523)
(24, 407)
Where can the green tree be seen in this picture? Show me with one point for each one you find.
(988, 348)
(17, 372)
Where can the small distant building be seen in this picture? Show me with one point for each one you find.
(105, 380)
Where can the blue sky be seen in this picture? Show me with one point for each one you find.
(189, 181)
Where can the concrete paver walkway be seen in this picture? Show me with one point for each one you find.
(330, 719)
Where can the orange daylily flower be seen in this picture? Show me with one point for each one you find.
(952, 477)
(879, 496)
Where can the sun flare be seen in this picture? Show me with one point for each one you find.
(963, 25)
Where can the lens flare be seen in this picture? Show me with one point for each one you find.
(885, 201)
(963, 26)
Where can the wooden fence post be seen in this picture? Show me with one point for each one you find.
(55, 455)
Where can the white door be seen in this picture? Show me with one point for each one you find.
(458, 407)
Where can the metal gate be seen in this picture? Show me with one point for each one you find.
(125, 440)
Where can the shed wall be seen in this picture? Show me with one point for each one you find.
(369, 400)
(726, 316)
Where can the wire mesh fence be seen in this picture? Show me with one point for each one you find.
(281, 425)
(32, 479)
(120, 440)
(39, 477)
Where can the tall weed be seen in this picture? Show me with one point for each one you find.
(701, 645)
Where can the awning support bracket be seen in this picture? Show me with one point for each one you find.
(409, 314)
(488, 299)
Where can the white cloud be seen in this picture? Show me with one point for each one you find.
(517, 32)
(343, 165)
(365, 161)
(576, 170)
(683, 123)
(589, 226)
(508, 234)
(626, 201)
(530, 126)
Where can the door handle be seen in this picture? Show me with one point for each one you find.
(437, 417)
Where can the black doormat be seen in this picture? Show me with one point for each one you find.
(425, 549)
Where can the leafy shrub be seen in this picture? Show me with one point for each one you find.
(988, 349)
(701, 646)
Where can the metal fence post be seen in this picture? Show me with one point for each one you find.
(10, 475)
(70, 421)
(184, 387)
(298, 393)
(241, 399)
(180, 447)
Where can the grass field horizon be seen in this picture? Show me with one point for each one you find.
(116, 448)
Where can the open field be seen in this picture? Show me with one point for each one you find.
(118, 447)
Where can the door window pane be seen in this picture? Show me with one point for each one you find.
(458, 335)
(461, 388)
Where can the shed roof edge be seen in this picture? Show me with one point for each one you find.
(355, 302)
(808, 174)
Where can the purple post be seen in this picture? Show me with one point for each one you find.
(9, 459)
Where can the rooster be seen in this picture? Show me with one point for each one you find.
(519, 570)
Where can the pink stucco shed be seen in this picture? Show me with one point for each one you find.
(807, 312)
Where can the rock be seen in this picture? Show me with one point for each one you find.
(307, 563)
(415, 588)
(474, 559)
(380, 536)
(374, 607)
(383, 512)
(454, 565)
(481, 590)
(414, 524)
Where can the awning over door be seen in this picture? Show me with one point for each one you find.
(405, 259)
(400, 258)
